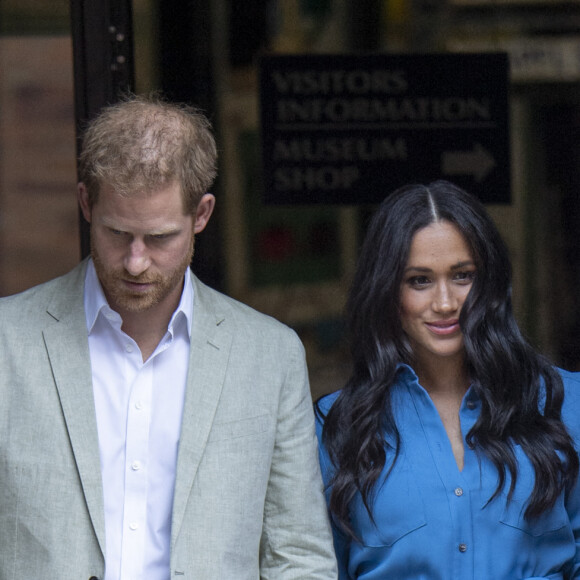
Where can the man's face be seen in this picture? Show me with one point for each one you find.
(141, 247)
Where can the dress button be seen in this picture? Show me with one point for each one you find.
(463, 547)
(458, 492)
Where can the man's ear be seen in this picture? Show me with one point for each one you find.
(83, 197)
(203, 212)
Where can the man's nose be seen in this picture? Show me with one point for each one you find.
(137, 258)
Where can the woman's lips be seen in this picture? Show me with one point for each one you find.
(443, 327)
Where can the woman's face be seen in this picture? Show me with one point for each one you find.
(437, 278)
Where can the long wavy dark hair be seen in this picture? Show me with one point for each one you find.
(521, 393)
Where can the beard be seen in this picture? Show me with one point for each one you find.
(122, 299)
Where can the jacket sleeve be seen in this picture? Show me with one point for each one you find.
(296, 540)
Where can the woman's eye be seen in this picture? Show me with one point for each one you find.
(418, 281)
(465, 277)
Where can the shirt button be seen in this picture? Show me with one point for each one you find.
(129, 348)
(139, 405)
(458, 492)
(463, 547)
(134, 526)
(471, 405)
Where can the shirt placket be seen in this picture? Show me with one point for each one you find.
(470, 492)
(455, 484)
(136, 470)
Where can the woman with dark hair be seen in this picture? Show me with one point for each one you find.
(450, 453)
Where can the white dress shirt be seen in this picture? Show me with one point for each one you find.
(139, 406)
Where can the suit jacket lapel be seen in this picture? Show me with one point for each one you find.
(209, 353)
(67, 345)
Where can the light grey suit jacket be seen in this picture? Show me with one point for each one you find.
(248, 495)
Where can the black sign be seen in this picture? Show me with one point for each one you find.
(348, 129)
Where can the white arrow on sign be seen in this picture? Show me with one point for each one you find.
(477, 162)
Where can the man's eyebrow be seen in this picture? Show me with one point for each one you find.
(169, 230)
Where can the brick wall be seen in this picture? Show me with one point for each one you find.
(39, 236)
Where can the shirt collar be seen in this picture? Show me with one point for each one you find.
(406, 371)
(96, 302)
